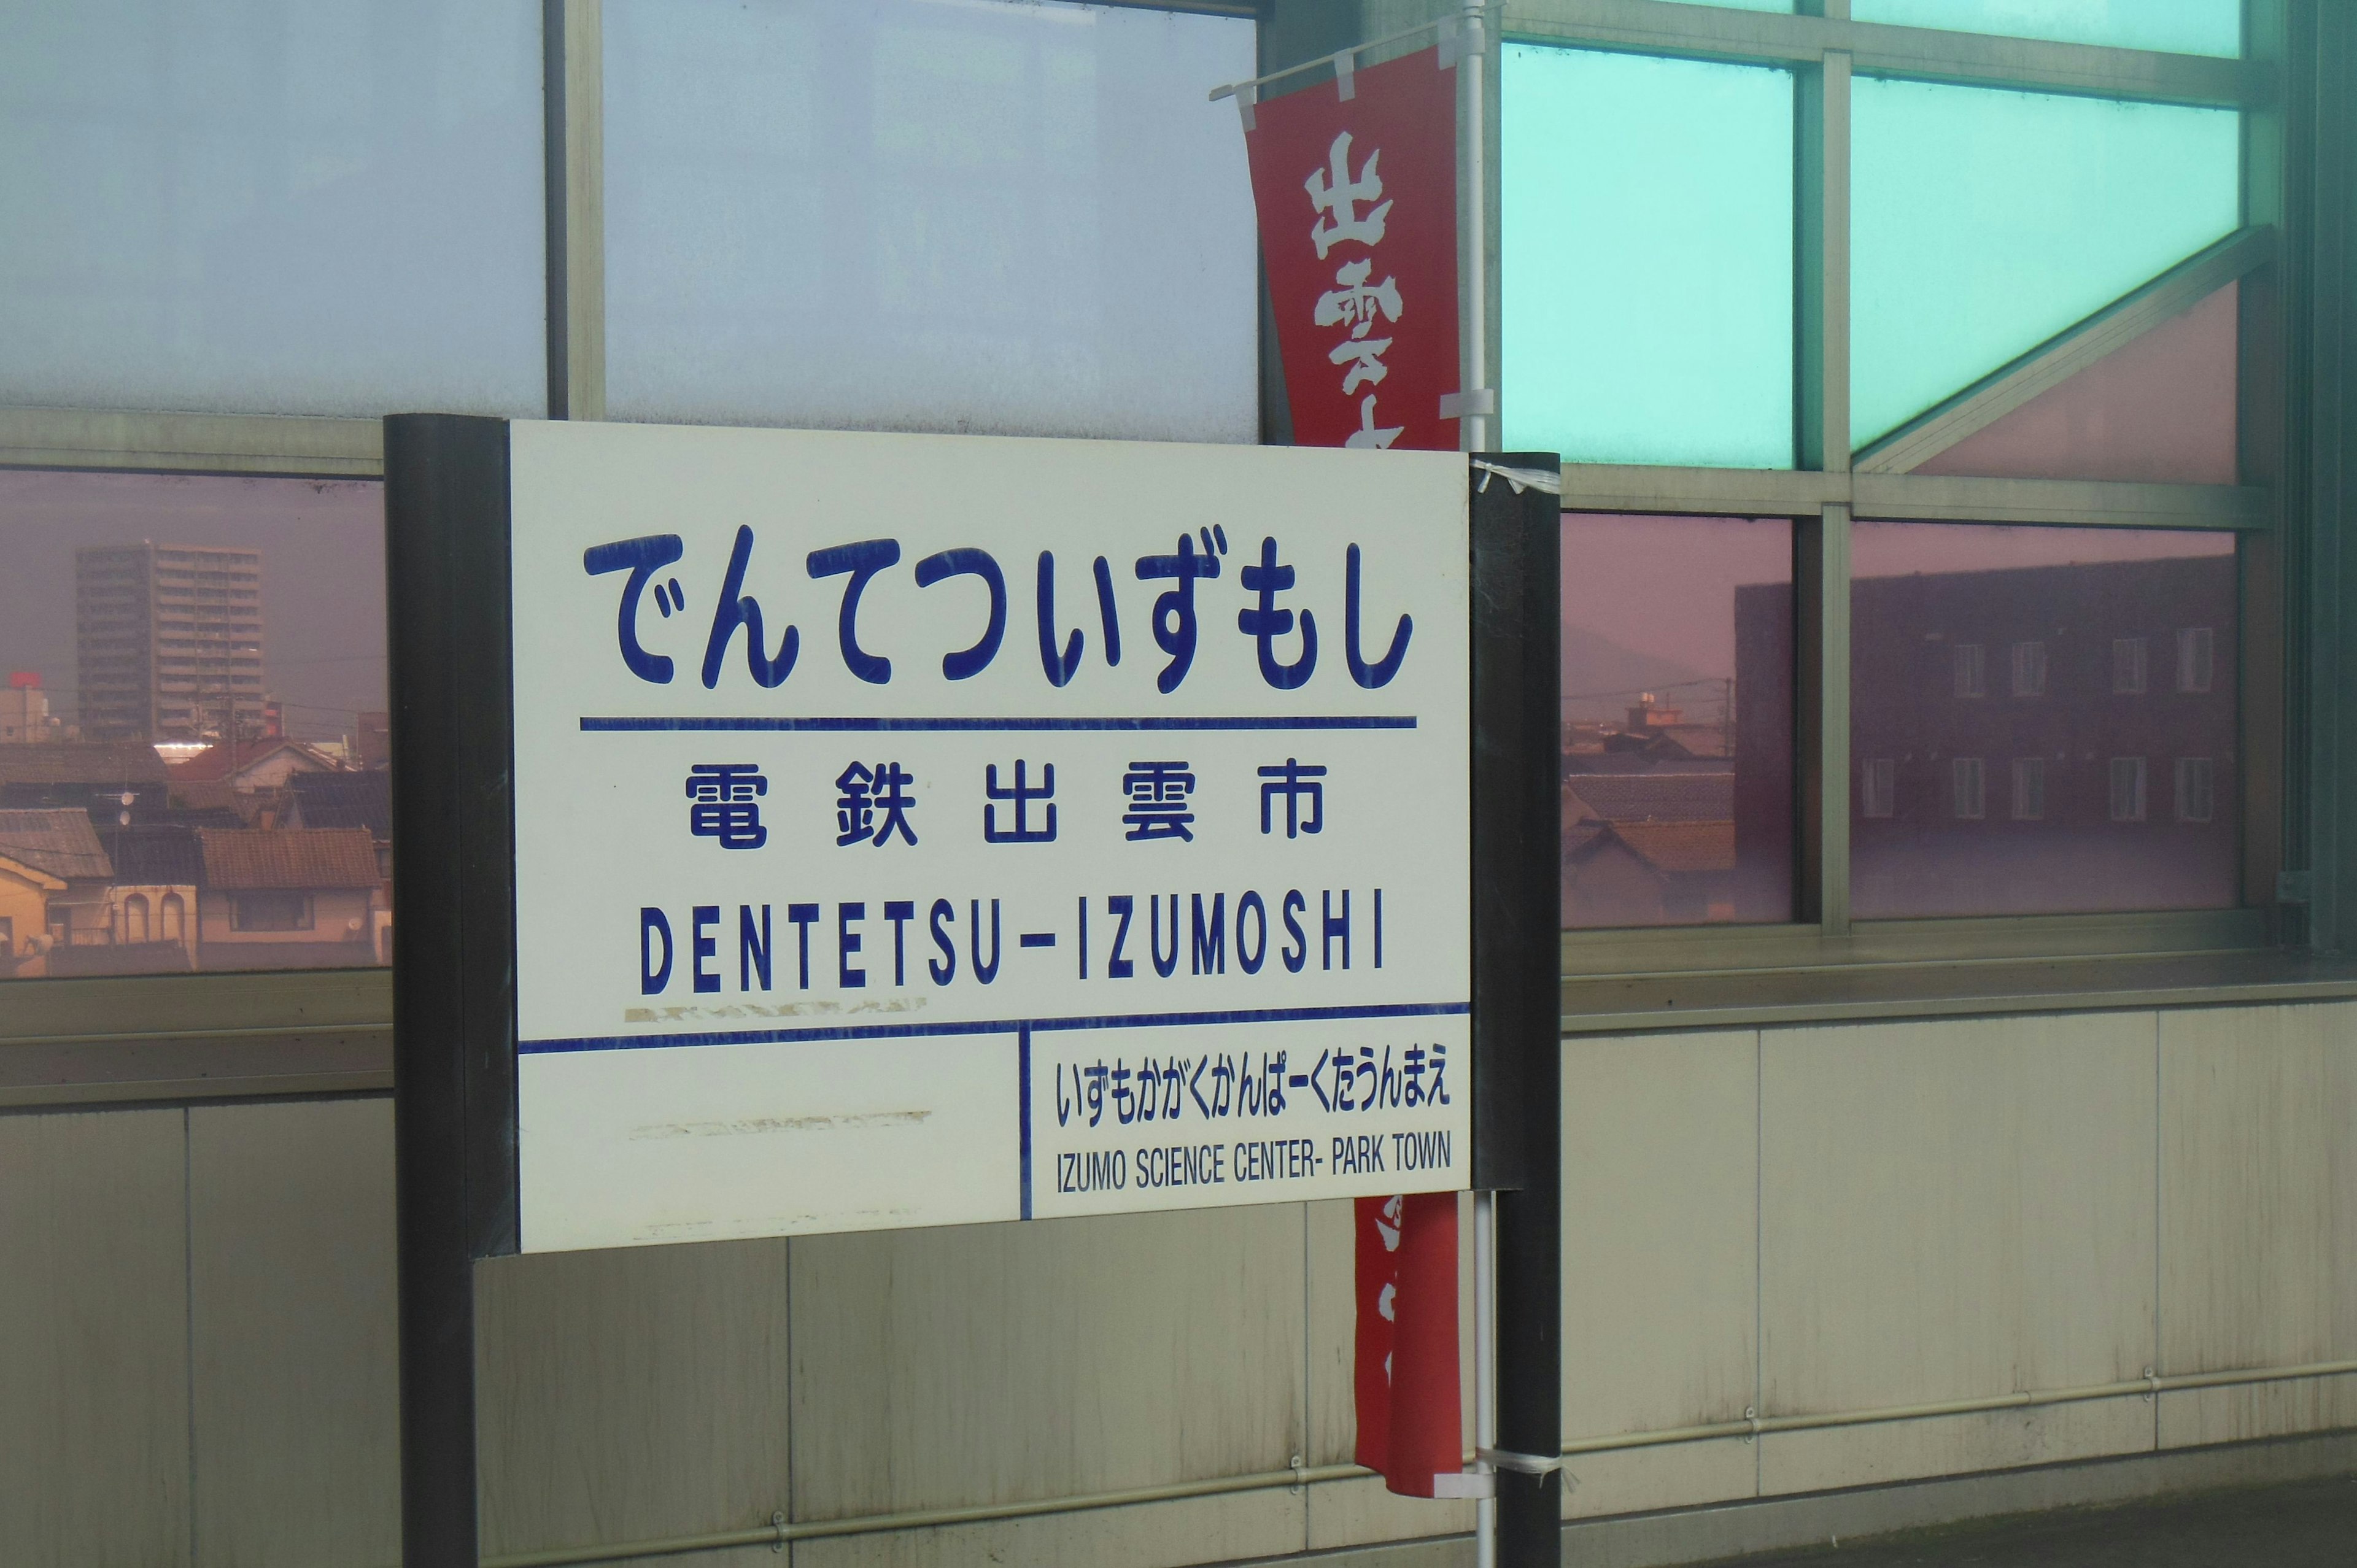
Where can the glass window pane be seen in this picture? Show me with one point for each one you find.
(2160, 408)
(980, 217)
(2181, 27)
(1646, 259)
(193, 731)
(2067, 781)
(1985, 222)
(1677, 720)
(246, 206)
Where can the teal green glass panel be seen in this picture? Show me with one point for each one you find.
(1983, 223)
(2180, 27)
(1645, 293)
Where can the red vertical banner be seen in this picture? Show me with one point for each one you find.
(1355, 183)
(1410, 1410)
(1357, 198)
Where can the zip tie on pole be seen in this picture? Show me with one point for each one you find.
(1521, 479)
(1520, 1463)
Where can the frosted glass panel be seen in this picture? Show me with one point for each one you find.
(1677, 720)
(929, 215)
(2160, 408)
(1983, 223)
(2183, 26)
(1646, 292)
(241, 205)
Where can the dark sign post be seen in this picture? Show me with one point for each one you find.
(483, 591)
(454, 972)
(1517, 1017)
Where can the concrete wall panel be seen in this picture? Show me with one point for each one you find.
(94, 1340)
(983, 1364)
(1363, 1511)
(1149, 1535)
(1643, 1480)
(1659, 1231)
(1951, 1445)
(1332, 1316)
(631, 1394)
(1954, 1210)
(2258, 1202)
(295, 1335)
(1660, 1261)
(2193, 1416)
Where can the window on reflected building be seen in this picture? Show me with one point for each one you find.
(193, 734)
(2196, 655)
(2076, 607)
(1971, 663)
(2028, 789)
(2128, 788)
(1677, 659)
(2196, 796)
(1972, 800)
(2030, 669)
(1878, 787)
(2128, 666)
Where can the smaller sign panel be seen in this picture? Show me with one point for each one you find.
(925, 830)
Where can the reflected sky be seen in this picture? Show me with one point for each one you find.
(322, 589)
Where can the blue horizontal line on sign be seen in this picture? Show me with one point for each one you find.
(987, 1027)
(851, 724)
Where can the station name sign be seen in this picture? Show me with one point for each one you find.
(930, 829)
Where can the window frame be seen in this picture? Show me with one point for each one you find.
(326, 1031)
(172, 1037)
(2278, 517)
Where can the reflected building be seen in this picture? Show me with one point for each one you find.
(168, 641)
(2027, 740)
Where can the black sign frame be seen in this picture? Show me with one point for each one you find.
(447, 528)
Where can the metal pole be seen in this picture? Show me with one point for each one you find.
(1485, 1369)
(1473, 328)
(452, 967)
(1473, 433)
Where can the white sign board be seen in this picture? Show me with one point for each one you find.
(928, 830)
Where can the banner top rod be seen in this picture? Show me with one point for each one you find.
(1446, 25)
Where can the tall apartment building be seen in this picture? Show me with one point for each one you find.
(169, 640)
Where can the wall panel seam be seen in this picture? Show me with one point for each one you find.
(189, 1306)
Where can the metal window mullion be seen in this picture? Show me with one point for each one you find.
(573, 63)
(1821, 444)
(1928, 54)
(1821, 609)
(2330, 590)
